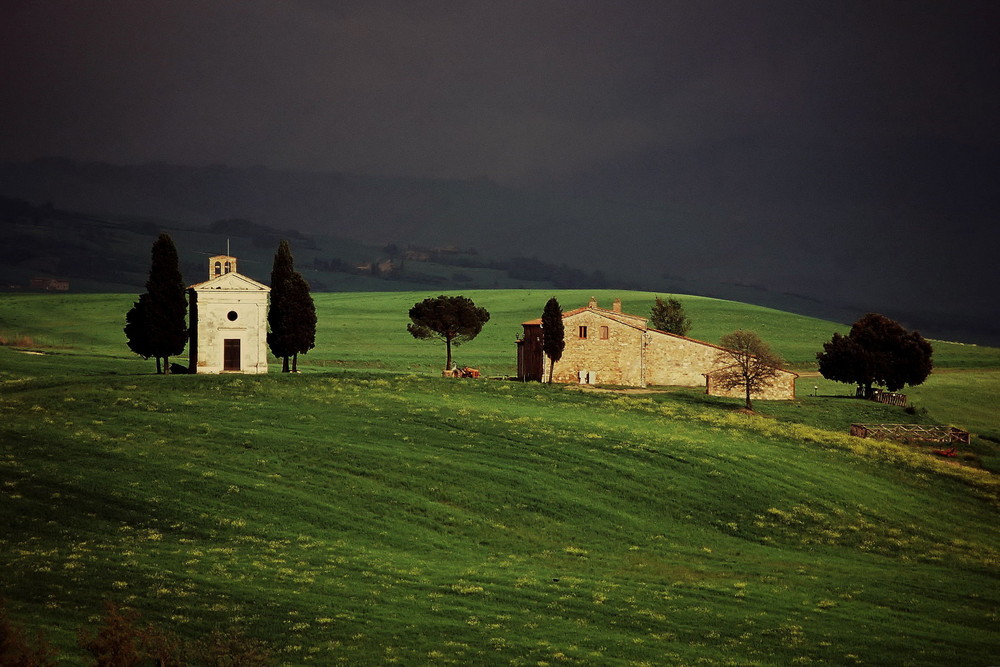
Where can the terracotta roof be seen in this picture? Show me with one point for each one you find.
(693, 340)
(538, 321)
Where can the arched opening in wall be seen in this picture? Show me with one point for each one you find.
(228, 267)
(218, 268)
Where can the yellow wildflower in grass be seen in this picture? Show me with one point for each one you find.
(467, 589)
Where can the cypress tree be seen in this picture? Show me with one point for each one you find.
(553, 333)
(278, 316)
(305, 318)
(137, 329)
(291, 316)
(155, 325)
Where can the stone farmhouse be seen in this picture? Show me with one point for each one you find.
(614, 348)
(228, 321)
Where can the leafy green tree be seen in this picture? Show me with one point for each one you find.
(748, 362)
(877, 351)
(291, 316)
(553, 333)
(155, 325)
(669, 316)
(453, 319)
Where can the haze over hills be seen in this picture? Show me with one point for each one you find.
(693, 239)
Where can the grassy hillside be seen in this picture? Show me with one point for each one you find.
(385, 515)
(368, 331)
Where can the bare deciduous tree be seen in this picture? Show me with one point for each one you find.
(748, 362)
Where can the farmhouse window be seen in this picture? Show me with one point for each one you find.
(583, 332)
(604, 333)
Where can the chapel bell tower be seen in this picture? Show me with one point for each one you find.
(220, 265)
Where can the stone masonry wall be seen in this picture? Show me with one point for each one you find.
(249, 327)
(674, 360)
(632, 355)
(782, 388)
(615, 360)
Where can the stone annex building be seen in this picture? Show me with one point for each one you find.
(615, 348)
(227, 321)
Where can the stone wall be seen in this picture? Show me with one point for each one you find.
(675, 360)
(616, 359)
(620, 350)
(781, 388)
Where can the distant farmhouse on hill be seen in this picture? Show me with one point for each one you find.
(228, 321)
(614, 348)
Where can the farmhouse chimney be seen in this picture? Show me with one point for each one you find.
(593, 302)
(617, 305)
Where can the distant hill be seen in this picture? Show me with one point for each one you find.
(105, 253)
(689, 243)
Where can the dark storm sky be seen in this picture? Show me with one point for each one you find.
(515, 91)
(864, 133)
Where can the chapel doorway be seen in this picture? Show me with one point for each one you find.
(231, 354)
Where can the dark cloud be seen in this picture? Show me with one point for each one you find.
(865, 127)
(510, 90)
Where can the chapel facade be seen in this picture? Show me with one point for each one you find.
(227, 321)
(614, 348)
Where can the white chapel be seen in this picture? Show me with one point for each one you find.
(228, 321)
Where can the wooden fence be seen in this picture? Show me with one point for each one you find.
(924, 432)
(889, 398)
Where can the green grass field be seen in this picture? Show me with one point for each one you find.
(367, 512)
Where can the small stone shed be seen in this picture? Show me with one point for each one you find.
(781, 387)
(614, 348)
(228, 321)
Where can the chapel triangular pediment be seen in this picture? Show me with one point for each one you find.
(231, 282)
